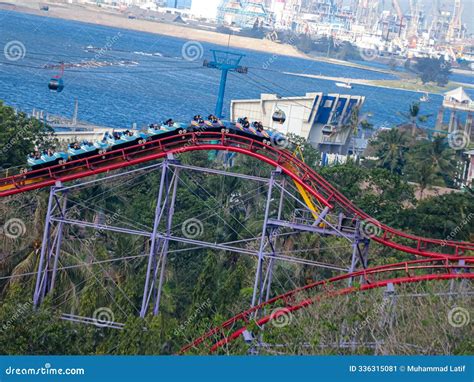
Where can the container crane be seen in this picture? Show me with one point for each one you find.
(455, 26)
(398, 9)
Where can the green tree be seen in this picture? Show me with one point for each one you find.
(424, 173)
(414, 116)
(433, 70)
(431, 163)
(443, 158)
(19, 135)
(391, 148)
(449, 217)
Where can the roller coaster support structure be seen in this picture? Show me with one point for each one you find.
(360, 252)
(160, 234)
(164, 204)
(51, 245)
(259, 285)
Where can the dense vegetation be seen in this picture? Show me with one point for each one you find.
(435, 70)
(103, 270)
(19, 135)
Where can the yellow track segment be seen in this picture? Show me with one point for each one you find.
(306, 197)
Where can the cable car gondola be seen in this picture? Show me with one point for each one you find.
(279, 116)
(56, 84)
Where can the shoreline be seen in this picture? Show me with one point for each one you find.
(110, 18)
(388, 84)
(89, 15)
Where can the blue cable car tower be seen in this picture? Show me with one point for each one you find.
(226, 62)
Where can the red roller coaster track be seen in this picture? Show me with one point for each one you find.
(311, 181)
(435, 270)
(445, 259)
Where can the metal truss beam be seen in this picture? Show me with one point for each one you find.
(161, 234)
(50, 246)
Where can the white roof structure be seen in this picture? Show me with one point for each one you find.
(205, 8)
(458, 95)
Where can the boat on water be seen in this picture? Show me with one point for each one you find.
(425, 97)
(346, 85)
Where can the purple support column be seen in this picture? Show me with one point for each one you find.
(359, 255)
(270, 264)
(166, 242)
(258, 273)
(151, 257)
(58, 241)
(44, 250)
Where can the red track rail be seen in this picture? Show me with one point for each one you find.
(316, 185)
(436, 270)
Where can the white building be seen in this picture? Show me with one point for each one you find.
(324, 120)
(205, 8)
(469, 168)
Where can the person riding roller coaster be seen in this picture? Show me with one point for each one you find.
(258, 126)
(169, 122)
(244, 122)
(197, 118)
(35, 155)
(212, 118)
(154, 126)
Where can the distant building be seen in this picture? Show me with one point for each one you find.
(243, 14)
(458, 104)
(206, 9)
(323, 119)
(179, 4)
(469, 168)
